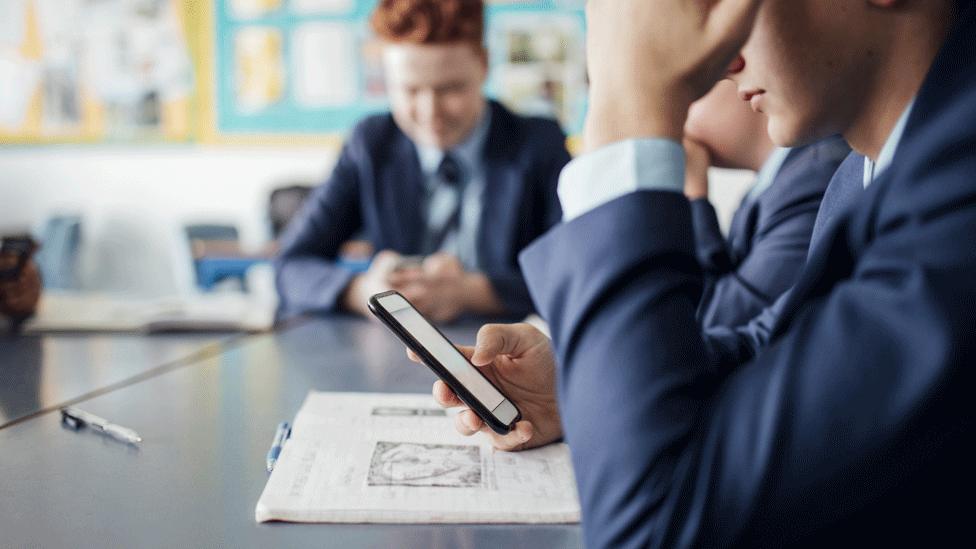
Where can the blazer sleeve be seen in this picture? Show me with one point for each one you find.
(307, 276)
(711, 246)
(778, 253)
(820, 423)
(543, 212)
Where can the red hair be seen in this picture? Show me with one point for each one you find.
(430, 21)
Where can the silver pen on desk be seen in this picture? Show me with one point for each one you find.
(76, 419)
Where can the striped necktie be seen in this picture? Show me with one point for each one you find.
(444, 207)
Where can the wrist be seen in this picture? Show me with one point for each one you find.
(352, 299)
(613, 118)
(695, 188)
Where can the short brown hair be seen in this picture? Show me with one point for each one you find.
(430, 21)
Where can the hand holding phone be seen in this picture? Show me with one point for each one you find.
(441, 356)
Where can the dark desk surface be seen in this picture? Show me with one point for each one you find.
(197, 477)
(40, 372)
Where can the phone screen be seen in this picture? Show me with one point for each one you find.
(449, 357)
(442, 350)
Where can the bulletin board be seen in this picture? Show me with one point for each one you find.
(251, 71)
(293, 67)
(95, 71)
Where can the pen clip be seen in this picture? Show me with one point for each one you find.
(71, 421)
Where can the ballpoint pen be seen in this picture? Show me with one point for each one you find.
(76, 419)
(281, 435)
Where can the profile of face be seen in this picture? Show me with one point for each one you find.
(435, 90)
(807, 65)
(734, 135)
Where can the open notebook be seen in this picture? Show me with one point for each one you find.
(357, 457)
(68, 312)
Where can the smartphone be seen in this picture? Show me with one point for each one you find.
(409, 262)
(20, 247)
(441, 356)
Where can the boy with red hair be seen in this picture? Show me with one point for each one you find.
(447, 175)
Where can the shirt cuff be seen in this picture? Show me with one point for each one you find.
(606, 174)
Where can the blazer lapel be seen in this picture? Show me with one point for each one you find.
(502, 196)
(404, 206)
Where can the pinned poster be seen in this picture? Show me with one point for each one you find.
(538, 64)
(13, 23)
(20, 79)
(76, 70)
(253, 9)
(324, 65)
(259, 68)
(322, 7)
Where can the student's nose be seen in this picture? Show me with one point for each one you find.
(428, 106)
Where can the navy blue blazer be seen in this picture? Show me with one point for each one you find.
(377, 189)
(729, 345)
(768, 239)
(854, 426)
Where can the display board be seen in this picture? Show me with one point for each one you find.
(94, 70)
(312, 66)
(255, 71)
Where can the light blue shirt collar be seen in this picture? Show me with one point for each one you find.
(467, 152)
(873, 169)
(769, 170)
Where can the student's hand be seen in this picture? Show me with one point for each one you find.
(443, 265)
(18, 298)
(697, 161)
(438, 288)
(650, 59)
(372, 282)
(519, 360)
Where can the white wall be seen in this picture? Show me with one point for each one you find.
(135, 199)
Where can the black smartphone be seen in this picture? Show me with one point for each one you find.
(20, 247)
(441, 356)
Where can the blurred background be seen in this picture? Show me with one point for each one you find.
(157, 147)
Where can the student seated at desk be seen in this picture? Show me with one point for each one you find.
(854, 425)
(770, 233)
(447, 175)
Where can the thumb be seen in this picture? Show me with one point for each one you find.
(494, 340)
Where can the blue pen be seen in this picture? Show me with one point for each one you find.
(281, 435)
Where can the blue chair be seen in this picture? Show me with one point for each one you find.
(212, 269)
